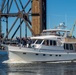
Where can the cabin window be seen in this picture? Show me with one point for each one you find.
(71, 46)
(33, 41)
(46, 42)
(68, 46)
(75, 46)
(54, 43)
(39, 41)
(64, 46)
(50, 42)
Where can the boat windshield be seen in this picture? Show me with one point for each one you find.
(33, 41)
(39, 41)
(60, 33)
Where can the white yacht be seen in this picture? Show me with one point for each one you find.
(51, 45)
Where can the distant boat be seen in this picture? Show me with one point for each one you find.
(52, 45)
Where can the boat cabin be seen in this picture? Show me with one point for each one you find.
(54, 44)
(55, 39)
(56, 32)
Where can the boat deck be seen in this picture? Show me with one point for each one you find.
(35, 50)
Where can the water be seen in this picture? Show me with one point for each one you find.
(38, 69)
(15, 68)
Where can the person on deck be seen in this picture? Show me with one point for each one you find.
(18, 40)
(28, 42)
(23, 40)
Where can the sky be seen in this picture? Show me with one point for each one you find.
(58, 11)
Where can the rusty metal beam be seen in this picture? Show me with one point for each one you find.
(25, 16)
(10, 4)
(17, 5)
(33, 33)
(3, 3)
(5, 12)
(9, 14)
(21, 5)
(17, 29)
(26, 5)
(11, 27)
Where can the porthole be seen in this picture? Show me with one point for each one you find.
(56, 55)
(50, 55)
(43, 54)
(24, 53)
(37, 54)
(59, 55)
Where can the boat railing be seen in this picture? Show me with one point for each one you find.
(40, 45)
(37, 46)
(49, 33)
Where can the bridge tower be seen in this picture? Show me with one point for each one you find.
(38, 16)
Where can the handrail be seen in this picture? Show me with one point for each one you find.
(40, 45)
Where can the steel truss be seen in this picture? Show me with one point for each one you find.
(21, 12)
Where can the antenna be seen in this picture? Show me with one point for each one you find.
(66, 19)
(71, 32)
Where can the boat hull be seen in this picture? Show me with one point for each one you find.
(33, 55)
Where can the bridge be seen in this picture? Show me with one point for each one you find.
(27, 14)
